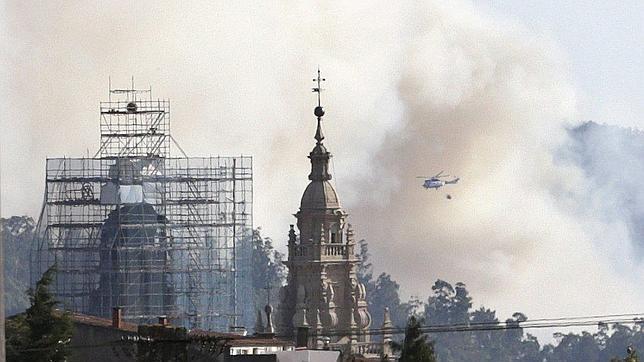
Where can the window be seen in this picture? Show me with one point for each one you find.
(336, 233)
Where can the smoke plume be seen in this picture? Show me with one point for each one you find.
(411, 90)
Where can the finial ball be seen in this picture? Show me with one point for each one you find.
(319, 112)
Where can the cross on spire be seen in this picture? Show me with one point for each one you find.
(318, 89)
(319, 111)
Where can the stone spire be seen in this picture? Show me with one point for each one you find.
(320, 163)
(387, 334)
(270, 329)
(319, 135)
(319, 338)
(259, 324)
(319, 194)
(386, 320)
(323, 294)
(319, 156)
(292, 237)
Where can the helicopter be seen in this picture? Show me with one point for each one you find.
(435, 182)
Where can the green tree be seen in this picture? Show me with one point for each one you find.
(576, 347)
(17, 235)
(631, 356)
(381, 292)
(415, 347)
(42, 333)
(268, 273)
(489, 342)
(450, 305)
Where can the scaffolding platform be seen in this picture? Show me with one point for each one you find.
(155, 235)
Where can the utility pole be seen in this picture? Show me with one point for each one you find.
(3, 356)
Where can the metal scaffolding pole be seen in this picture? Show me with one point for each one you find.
(134, 227)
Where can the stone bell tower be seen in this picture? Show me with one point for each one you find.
(323, 293)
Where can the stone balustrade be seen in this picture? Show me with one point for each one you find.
(335, 250)
(365, 349)
(327, 250)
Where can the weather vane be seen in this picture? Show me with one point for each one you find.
(318, 111)
(318, 90)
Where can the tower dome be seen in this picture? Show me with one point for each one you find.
(320, 195)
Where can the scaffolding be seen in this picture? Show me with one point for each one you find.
(155, 235)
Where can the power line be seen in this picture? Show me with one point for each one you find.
(540, 323)
(578, 321)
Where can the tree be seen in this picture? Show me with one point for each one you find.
(17, 234)
(448, 305)
(415, 347)
(41, 333)
(382, 292)
(452, 306)
(631, 356)
(489, 342)
(268, 272)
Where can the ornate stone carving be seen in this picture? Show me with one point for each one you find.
(323, 288)
(292, 238)
(330, 293)
(299, 318)
(363, 318)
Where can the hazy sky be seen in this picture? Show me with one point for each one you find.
(480, 89)
(600, 40)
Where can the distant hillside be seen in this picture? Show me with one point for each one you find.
(612, 159)
(17, 235)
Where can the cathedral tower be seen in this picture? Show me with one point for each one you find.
(323, 292)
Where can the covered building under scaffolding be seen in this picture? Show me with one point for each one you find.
(136, 228)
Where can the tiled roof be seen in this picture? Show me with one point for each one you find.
(235, 340)
(257, 342)
(100, 322)
(202, 333)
